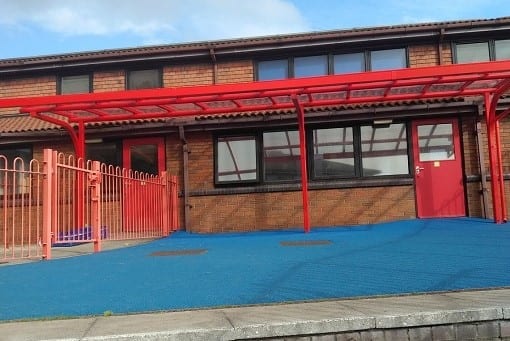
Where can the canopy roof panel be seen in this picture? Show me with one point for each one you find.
(460, 80)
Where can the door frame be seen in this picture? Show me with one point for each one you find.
(128, 143)
(459, 155)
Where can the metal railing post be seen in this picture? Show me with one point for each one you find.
(47, 202)
(95, 205)
(164, 203)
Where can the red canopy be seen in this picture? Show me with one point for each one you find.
(488, 80)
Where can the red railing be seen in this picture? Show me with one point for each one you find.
(71, 201)
(20, 209)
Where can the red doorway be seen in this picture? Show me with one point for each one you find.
(438, 168)
(146, 158)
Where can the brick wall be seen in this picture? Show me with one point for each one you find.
(428, 55)
(423, 55)
(187, 75)
(235, 71)
(109, 81)
(277, 210)
(25, 87)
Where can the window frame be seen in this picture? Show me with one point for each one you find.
(60, 82)
(491, 46)
(357, 153)
(128, 73)
(257, 179)
(366, 53)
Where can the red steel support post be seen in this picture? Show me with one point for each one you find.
(95, 206)
(164, 203)
(47, 202)
(304, 172)
(494, 159)
(502, 175)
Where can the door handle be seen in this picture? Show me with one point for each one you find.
(418, 169)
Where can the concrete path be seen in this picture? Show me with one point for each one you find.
(369, 315)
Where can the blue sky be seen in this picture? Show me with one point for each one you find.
(43, 27)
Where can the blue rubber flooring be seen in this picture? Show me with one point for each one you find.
(411, 256)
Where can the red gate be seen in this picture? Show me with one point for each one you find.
(69, 201)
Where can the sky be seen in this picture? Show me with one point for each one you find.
(31, 28)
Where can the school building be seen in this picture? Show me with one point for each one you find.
(329, 128)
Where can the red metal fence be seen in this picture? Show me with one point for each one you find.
(20, 208)
(66, 201)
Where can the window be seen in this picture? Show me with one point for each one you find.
(310, 66)
(436, 142)
(236, 159)
(388, 59)
(502, 48)
(17, 159)
(349, 63)
(281, 156)
(473, 52)
(482, 51)
(144, 79)
(343, 152)
(384, 150)
(333, 152)
(319, 65)
(273, 69)
(108, 153)
(75, 84)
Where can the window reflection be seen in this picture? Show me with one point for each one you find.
(384, 150)
(473, 52)
(281, 156)
(388, 59)
(144, 158)
(273, 69)
(436, 142)
(236, 159)
(349, 63)
(144, 79)
(502, 49)
(333, 152)
(310, 66)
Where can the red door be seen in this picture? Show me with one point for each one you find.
(145, 156)
(438, 168)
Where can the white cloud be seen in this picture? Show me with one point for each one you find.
(155, 20)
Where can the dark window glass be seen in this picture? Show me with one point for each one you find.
(310, 66)
(17, 159)
(384, 150)
(144, 79)
(473, 52)
(273, 69)
(105, 152)
(333, 152)
(75, 84)
(349, 63)
(236, 159)
(502, 48)
(388, 59)
(144, 158)
(436, 142)
(281, 156)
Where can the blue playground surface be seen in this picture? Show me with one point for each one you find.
(190, 271)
